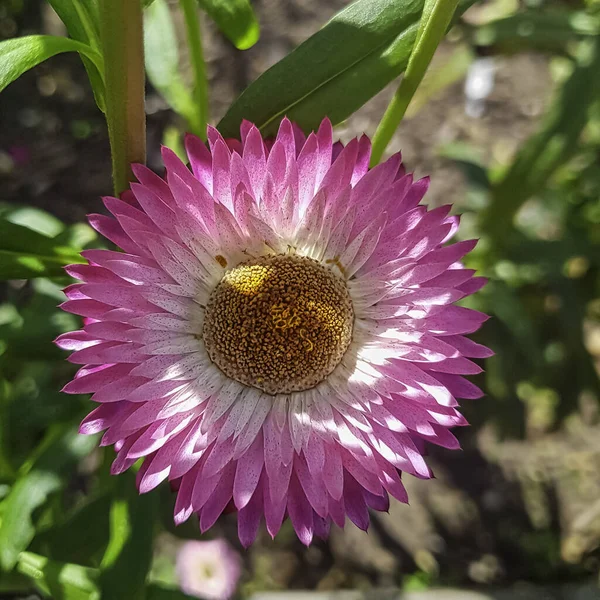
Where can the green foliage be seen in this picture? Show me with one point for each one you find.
(335, 71)
(18, 55)
(81, 536)
(236, 19)
(44, 474)
(128, 556)
(81, 19)
(61, 581)
(25, 253)
(162, 62)
(548, 30)
(550, 147)
(435, 19)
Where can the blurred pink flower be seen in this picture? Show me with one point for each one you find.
(209, 570)
(20, 154)
(279, 332)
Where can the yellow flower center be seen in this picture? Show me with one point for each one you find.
(278, 323)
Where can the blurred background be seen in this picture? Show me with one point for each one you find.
(507, 124)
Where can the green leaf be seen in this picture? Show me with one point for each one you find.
(162, 61)
(128, 556)
(236, 19)
(18, 55)
(81, 19)
(198, 66)
(470, 161)
(536, 28)
(27, 333)
(44, 475)
(335, 71)
(62, 581)
(25, 253)
(33, 218)
(80, 536)
(77, 236)
(549, 148)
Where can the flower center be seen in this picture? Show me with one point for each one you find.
(278, 323)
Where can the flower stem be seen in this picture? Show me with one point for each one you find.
(121, 31)
(436, 17)
(200, 90)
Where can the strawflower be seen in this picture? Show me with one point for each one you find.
(279, 331)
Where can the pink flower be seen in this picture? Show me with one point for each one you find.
(279, 330)
(208, 570)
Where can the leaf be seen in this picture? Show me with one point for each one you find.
(81, 19)
(236, 19)
(27, 333)
(333, 73)
(536, 28)
(469, 160)
(23, 265)
(81, 535)
(62, 449)
(25, 253)
(77, 236)
(549, 148)
(62, 581)
(18, 55)
(33, 218)
(162, 61)
(127, 559)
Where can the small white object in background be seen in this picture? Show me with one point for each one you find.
(208, 570)
(478, 85)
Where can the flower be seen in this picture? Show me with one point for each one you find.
(278, 332)
(208, 570)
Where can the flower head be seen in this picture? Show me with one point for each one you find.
(208, 570)
(279, 331)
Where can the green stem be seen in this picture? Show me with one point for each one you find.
(434, 23)
(121, 31)
(200, 91)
